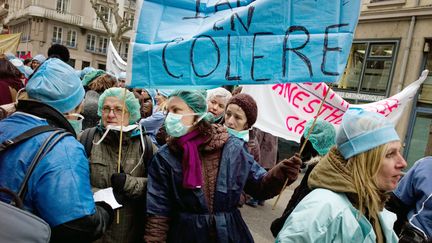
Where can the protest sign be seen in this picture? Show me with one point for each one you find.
(227, 42)
(9, 43)
(293, 104)
(115, 63)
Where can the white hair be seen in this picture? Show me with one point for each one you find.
(219, 92)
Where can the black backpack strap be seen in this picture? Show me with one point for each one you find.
(43, 150)
(25, 135)
(86, 139)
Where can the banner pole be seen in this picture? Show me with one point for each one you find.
(120, 144)
(304, 144)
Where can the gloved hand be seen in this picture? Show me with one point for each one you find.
(291, 167)
(118, 181)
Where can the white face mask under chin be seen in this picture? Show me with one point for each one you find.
(126, 129)
(115, 128)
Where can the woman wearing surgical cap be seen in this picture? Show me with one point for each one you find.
(10, 82)
(95, 82)
(58, 190)
(37, 61)
(350, 186)
(320, 140)
(153, 124)
(129, 185)
(195, 181)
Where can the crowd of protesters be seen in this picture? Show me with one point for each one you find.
(181, 162)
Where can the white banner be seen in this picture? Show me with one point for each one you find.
(283, 109)
(115, 63)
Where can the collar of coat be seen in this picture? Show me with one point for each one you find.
(53, 116)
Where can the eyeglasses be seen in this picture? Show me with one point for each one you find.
(117, 110)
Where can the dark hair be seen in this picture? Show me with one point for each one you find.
(59, 51)
(8, 70)
(9, 74)
(27, 60)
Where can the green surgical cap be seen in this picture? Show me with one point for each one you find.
(322, 137)
(132, 103)
(89, 77)
(195, 99)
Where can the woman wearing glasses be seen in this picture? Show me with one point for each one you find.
(128, 185)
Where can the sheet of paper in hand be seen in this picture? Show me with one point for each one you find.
(107, 195)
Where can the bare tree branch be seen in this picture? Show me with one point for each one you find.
(122, 23)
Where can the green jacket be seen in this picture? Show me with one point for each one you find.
(103, 163)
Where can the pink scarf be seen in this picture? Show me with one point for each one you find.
(191, 162)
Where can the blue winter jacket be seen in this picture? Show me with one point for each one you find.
(415, 191)
(191, 220)
(59, 188)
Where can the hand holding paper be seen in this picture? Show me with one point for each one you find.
(106, 195)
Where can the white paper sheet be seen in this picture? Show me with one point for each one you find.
(106, 195)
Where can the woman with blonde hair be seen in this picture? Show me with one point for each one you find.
(350, 185)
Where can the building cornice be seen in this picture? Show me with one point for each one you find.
(382, 14)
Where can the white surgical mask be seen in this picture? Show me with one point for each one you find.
(115, 128)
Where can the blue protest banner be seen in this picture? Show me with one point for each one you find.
(226, 42)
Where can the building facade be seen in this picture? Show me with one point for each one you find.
(71, 23)
(391, 47)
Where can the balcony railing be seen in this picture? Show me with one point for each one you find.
(97, 24)
(64, 17)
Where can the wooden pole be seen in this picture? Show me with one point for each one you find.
(303, 145)
(120, 143)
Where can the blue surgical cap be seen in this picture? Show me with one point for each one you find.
(26, 70)
(122, 75)
(132, 103)
(56, 84)
(363, 130)
(165, 92)
(322, 137)
(85, 71)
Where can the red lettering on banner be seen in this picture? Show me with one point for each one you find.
(335, 116)
(276, 86)
(392, 104)
(287, 89)
(324, 108)
(325, 88)
(287, 122)
(297, 97)
(297, 124)
(309, 105)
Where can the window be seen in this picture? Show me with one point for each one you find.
(101, 66)
(85, 64)
(62, 6)
(71, 38)
(369, 68)
(72, 62)
(421, 138)
(91, 42)
(126, 48)
(103, 44)
(426, 89)
(129, 17)
(106, 13)
(57, 35)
